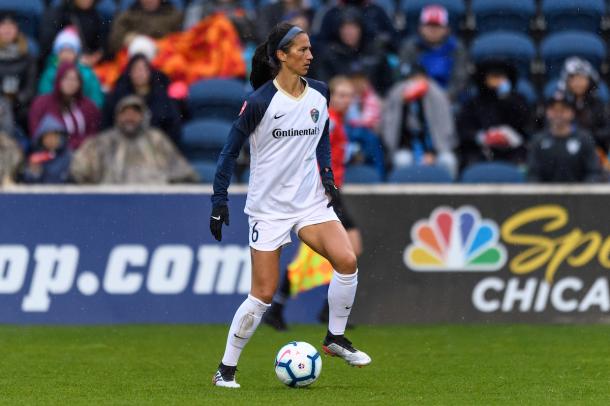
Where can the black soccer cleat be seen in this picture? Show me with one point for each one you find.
(275, 318)
(225, 377)
(339, 346)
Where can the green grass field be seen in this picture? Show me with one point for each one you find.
(445, 365)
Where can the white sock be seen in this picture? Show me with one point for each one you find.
(246, 320)
(341, 294)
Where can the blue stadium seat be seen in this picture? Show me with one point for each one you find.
(550, 88)
(494, 15)
(216, 98)
(526, 89)
(27, 12)
(492, 172)
(203, 139)
(602, 90)
(584, 15)
(361, 174)
(507, 45)
(206, 170)
(125, 4)
(33, 47)
(412, 10)
(107, 8)
(313, 4)
(420, 174)
(555, 48)
(388, 5)
(248, 5)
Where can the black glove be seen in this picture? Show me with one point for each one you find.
(220, 214)
(328, 181)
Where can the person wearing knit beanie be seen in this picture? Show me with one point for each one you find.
(67, 39)
(142, 44)
(67, 48)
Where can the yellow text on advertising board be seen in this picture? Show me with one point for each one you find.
(576, 247)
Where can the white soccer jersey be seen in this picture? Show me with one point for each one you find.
(284, 134)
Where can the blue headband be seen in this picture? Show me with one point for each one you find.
(289, 36)
(293, 32)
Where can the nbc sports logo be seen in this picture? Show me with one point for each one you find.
(455, 240)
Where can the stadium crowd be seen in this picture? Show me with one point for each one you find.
(94, 91)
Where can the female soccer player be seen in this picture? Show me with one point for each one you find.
(286, 121)
(307, 265)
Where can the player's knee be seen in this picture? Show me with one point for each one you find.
(267, 297)
(264, 294)
(347, 263)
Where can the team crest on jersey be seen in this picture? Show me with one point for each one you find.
(315, 115)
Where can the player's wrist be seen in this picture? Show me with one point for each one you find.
(327, 175)
(221, 210)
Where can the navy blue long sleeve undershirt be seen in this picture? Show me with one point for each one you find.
(226, 166)
(323, 150)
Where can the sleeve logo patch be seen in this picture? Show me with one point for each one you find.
(243, 107)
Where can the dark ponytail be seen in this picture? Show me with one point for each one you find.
(265, 65)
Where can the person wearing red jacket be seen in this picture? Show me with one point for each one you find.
(341, 96)
(78, 114)
(338, 138)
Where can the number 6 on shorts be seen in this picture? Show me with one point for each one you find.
(254, 233)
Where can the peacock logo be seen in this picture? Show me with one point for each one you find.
(455, 240)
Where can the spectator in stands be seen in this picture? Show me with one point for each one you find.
(493, 123)
(17, 67)
(342, 91)
(7, 122)
(563, 152)
(141, 44)
(131, 152)
(233, 9)
(66, 49)
(377, 29)
(142, 79)
(77, 113)
(580, 81)
(365, 109)
(154, 18)
(300, 19)
(10, 158)
(363, 120)
(50, 159)
(350, 52)
(418, 122)
(273, 13)
(89, 26)
(442, 55)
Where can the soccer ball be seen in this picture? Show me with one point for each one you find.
(298, 364)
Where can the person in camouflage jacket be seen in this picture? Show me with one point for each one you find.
(131, 152)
